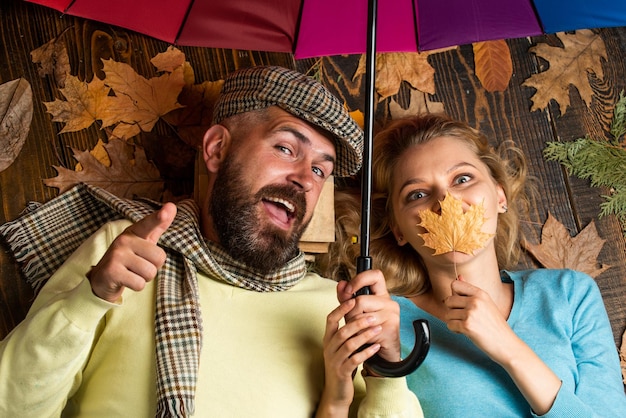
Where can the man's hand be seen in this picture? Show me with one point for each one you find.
(133, 257)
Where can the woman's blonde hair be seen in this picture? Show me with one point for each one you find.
(402, 266)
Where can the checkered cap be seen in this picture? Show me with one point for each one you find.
(260, 87)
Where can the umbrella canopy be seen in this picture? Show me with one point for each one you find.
(330, 27)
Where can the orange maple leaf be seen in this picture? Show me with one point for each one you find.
(139, 102)
(454, 230)
(393, 68)
(84, 104)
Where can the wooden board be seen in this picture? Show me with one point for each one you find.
(501, 115)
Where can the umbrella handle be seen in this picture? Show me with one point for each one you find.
(386, 368)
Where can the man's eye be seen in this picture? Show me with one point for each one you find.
(319, 172)
(283, 149)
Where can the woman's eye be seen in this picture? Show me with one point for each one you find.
(416, 195)
(462, 179)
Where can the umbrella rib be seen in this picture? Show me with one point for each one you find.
(182, 24)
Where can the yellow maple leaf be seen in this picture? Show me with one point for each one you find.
(454, 230)
(84, 103)
(139, 102)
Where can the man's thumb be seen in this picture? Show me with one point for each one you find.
(154, 225)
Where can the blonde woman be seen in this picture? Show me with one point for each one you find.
(503, 343)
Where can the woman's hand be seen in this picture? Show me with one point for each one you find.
(378, 305)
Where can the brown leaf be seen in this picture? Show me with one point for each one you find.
(559, 250)
(494, 67)
(393, 68)
(16, 113)
(139, 102)
(53, 60)
(195, 117)
(85, 103)
(454, 230)
(419, 103)
(169, 60)
(127, 176)
(582, 54)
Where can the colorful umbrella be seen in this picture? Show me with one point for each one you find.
(331, 27)
(314, 28)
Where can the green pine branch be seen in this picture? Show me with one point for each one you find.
(601, 161)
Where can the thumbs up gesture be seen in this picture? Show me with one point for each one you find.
(133, 258)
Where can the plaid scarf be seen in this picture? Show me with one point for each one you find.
(42, 239)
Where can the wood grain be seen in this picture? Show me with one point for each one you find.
(501, 115)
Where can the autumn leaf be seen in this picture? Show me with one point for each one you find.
(138, 102)
(393, 68)
(85, 103)
(196, 116)
(559, 250)
(582, 54)
(493, 64)
(419, 103)
(169, 60)
(52, 59)
(454, 230)
(127, 176)
(16, 113)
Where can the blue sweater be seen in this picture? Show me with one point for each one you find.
(561, 316)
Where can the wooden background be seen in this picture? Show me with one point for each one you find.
(501, 115)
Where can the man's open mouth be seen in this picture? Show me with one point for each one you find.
(281, 210)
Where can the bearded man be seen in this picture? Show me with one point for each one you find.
(209, 309)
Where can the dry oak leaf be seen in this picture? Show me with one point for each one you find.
(493, 64)
(559, 250)
(139, 102)
(419, 103)
(393, 68)
(53, 60)
(127, 176)
(16, 113)
(582, 54)
(84, 104)
(454, 230)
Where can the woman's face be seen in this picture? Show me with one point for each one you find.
(423, 176)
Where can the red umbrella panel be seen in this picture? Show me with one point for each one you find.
(330, 27)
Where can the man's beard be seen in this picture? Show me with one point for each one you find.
(246, 237)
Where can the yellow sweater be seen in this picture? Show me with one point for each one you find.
(76, 355)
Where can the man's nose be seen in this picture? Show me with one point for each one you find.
(302, 176)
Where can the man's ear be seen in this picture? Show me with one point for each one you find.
(215, 146)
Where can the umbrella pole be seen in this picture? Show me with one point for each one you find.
(376, 363)
(364, 261)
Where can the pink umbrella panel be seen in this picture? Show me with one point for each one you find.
(329, 27)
